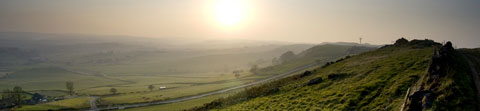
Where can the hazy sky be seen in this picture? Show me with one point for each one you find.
(313, 21)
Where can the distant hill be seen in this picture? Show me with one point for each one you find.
(10, 56)
(351, 44)
(434, 77)
(71, 49)
(334, 49)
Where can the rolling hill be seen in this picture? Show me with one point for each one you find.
(408, 75)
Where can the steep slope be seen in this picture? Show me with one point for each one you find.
(376, 80)
(370, 81)
(447, 84)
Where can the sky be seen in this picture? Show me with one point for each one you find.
(307, 21)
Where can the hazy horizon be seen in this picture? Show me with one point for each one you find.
(307, 21)
(246, 55)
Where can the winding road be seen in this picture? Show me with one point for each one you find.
(94, 108)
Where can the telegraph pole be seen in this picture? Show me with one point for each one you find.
(360, 40)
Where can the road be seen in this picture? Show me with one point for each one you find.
(206, 94)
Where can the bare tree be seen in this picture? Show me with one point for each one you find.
(70, 87)
(113, 90)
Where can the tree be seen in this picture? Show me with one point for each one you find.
(287, 56)
(150, 87)
(70, 87)
(7, 98)
(17, 95)
(237, 75)
(254, 69)
(113, 90)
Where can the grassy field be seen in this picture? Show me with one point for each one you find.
(169, 93)
(51, 78)
(78, 102)
(183, 105)
(183, 73)
(38, 107)
(52, 93)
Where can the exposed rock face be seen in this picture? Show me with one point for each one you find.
(306, 73)
(423, 97)
(401, 41)
(336, 76)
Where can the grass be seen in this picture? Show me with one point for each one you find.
(201, 88)
(52, 93)
(456, 87)
(38, 107)
(50, 78)
(182, 105)
(374, 80)
(76, 103)
(131, 77)
(167, 93)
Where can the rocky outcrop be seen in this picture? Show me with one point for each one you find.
(423, 95)
(402, 42)
(314, 81)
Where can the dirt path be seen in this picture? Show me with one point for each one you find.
(209, 93)
(475, 75)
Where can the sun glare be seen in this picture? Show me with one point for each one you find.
(229, 12)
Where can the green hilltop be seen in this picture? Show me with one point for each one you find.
(374, 80)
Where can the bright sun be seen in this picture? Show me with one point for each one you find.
(229, 12)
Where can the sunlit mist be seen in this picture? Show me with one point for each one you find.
(312, 21)
(230, 12)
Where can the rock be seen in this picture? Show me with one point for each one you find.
(336, 76)
(306, 73)
(315, 81)
(401, 41)
(420, 100)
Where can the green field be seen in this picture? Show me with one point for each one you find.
(131, 71)
(168, 93)
(184, 104)
(77, 102)
(51, 78)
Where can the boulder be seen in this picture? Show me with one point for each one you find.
(306, 73)
(315, 81)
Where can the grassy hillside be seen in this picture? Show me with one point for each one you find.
(376, 80)
(195, 86)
